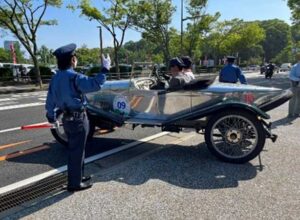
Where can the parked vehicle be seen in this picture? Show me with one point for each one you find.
(232, 117)
(285, 67)
(253, 67)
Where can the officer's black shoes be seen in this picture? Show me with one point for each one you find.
(82, 186)
(86, 178)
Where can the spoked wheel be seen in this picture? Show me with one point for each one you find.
(60, 135)
(235, 136)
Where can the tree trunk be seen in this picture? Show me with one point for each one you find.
(37, 72)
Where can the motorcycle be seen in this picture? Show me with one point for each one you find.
(269, 72)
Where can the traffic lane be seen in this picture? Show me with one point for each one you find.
(49, 154)
(279, 80)
(22, 116)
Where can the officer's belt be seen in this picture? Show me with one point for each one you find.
(75, 111)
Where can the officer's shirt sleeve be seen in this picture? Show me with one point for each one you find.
(241, 76)
(90, 84)
(50, 102)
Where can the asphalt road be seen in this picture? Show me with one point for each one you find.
(27, 153)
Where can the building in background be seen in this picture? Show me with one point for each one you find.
(8, 43)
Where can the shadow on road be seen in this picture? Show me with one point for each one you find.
(283, 122)
(188, 167)
(191, 167)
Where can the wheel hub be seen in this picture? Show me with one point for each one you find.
(233, 136)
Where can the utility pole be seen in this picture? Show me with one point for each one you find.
(101, 44)
(181, 33)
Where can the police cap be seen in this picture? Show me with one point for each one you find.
(65, 51)
(176, 62)
(230, 59)
(187, 61)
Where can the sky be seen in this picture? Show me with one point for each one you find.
(72, 28)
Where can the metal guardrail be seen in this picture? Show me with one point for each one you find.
(110, 76)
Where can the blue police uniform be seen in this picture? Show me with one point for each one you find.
(231, 73)
(66, 94)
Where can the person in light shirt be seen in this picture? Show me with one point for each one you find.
(187, 69)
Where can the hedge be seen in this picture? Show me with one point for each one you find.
(6, 74)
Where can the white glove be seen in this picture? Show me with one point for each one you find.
(106, 63)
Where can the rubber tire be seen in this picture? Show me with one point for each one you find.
(257, 124)
(92, 128)
(58, 138)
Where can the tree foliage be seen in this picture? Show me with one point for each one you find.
(114, 17)
(23, 18)
(295, 7)
(278, 37)
(153, 18)
(199, 24)
(45, 56)
(234, 37)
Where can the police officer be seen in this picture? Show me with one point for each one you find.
(231, 73)
(66, 94)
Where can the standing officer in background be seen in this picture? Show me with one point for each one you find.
(231, 73)
(66, 94)
(294, 76)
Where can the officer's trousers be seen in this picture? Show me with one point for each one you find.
(294, 104)
(76, 129)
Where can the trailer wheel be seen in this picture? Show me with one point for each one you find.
(60, 135)
(235, 136)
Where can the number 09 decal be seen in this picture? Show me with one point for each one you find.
(121, 105)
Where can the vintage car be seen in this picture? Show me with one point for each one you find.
(231, 116)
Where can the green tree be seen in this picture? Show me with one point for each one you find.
(45, 56)
(233, 37)
(140, 51)
(4, 56)
(199, 25)
(278, 37)
(87, 56)
(23, 18)
(295, 7)
(153, 18)
(114, 16)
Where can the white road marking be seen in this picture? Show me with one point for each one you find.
(10, 129)
(61, 169)
(19, 128)
(32, 94)
(42, 99)
(7, 99)
(7, 103)
(21, 106)
(150, 105)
